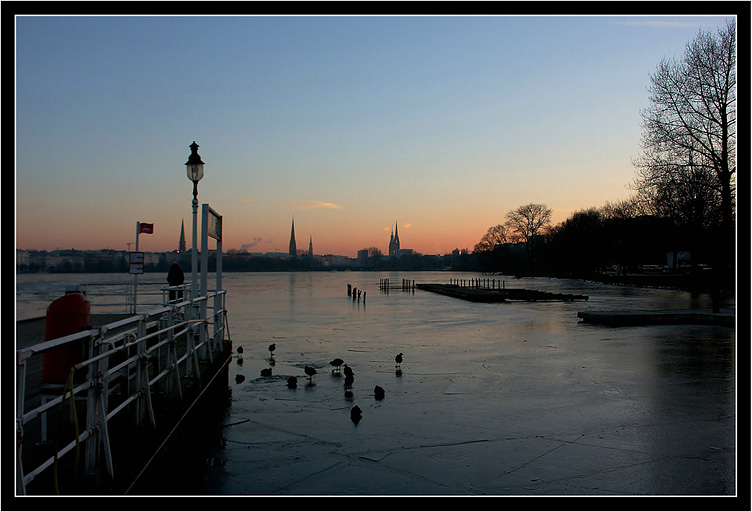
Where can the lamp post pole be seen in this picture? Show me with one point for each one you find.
(195, 171)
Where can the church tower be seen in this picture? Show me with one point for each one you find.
(310, 247)
(293, 247)
(181, 244)
(394, 242)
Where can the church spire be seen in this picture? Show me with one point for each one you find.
(394, 243)
(293, 247)
(181, 243)
(310, 246)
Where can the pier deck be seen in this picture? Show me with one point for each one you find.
(136, 446)
(498, 295)
(670, 317)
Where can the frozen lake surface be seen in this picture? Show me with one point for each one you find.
(505, 399)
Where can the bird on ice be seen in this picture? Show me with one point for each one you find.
(349, 382)
(266, 372)
(310, 372)
(292, 382)
(348, 371)
(240, 351)
(378, 393)
(272, 348)
(398, 360)
(356, 414)
(239, 378)
(336, 363)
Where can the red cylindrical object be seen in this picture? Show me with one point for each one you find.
(67, 315)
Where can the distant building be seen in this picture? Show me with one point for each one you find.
(22, 260)
(310, 247)
(335, 261)
(395, 248)
(293, 247)
(181, 243)
(394, 242)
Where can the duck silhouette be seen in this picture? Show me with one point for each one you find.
(349, 382)
(266, 372)
(336, 363)
(239, 378)
(292, 382)
(272, 348)
(310, 372)
(356, 414)
(398, 360)
(378, 393)
(240, 351)
(348, 371)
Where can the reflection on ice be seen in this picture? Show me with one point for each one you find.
(496, 399)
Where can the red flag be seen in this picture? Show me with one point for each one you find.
(146, 228)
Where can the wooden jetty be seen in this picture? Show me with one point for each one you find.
(663, 317)
(147, 378)
(385, 285)
(502, 294)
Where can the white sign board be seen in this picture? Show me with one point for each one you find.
(136, 263)
(214, 228)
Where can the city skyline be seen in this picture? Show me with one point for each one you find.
(181, 247)
(342, 123)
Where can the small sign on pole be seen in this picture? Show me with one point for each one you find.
(136, 263)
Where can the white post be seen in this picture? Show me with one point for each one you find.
(194, 256)
(218, 304)
(135, 276)
(204, 270)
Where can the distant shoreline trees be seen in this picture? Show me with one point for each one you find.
(684, 190)
(687, 169)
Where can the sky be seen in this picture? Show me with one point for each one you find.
(351, 125)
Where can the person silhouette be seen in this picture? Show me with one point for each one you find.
(175, 277)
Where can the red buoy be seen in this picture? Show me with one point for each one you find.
(67, 315)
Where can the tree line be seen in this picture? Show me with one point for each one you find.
(683, 194)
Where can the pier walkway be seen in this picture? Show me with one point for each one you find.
(724, 318)
(144, 375)
(482, 293)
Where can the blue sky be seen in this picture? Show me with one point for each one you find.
(350, 124)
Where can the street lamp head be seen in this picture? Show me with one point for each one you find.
(194, 168)
(194, 165)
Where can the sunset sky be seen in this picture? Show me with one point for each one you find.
(440, 124)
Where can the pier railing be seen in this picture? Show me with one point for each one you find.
(406, 285)
(128, 362)
(123, 296)
(479, 283)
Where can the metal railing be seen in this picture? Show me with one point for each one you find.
(124, 365)
(116, 295)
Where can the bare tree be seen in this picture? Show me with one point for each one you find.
(628, 208)
(494, 237)
(688, 161)
(528, 221)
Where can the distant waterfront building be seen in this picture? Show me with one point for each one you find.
(293, 247)
(181, 244)
(22, 260)
(394, 242)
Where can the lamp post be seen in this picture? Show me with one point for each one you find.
(195, 171)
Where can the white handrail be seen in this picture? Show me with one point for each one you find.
(165, 324)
